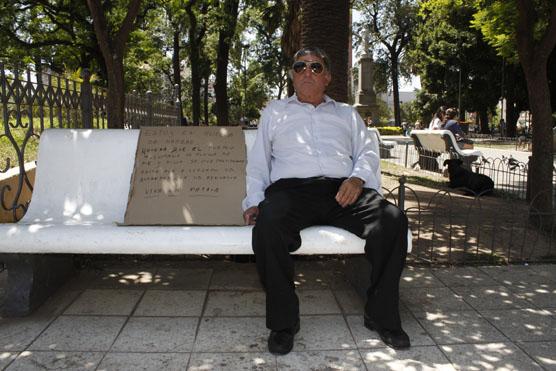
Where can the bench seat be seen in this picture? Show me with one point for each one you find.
(79, 199)
(169, 240)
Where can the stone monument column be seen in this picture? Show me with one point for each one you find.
(365, 99)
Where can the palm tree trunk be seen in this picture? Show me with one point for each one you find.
(325, 24)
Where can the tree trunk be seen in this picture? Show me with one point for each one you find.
(115, 97)
(291, 39)
(206, 97)
(196, 34)
(112, 44)
(224, 41)
(396, 91)
(541, 163)
(483, 116)
(325, 24)
(177, 70)
(533, 56)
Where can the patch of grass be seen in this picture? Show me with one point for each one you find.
(412, 177)
(8, 151)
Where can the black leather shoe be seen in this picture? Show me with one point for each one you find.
(281, 342)
(396, 339)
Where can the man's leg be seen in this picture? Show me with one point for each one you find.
(284, 212)
(384, 227)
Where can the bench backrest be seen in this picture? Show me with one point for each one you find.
(434, 140)
(375, 133)
(83, 176)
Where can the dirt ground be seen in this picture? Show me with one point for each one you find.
(451, 228)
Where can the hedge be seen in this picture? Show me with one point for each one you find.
(389, 130)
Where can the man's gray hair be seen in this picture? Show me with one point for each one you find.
(316, 51)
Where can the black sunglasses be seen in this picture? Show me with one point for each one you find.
(301, 66)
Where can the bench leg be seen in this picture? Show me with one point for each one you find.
(32, 278)
(357, 270)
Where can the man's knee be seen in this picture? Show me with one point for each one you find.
(394, 217)
(274, 211)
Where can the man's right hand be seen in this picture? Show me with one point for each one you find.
(250, 215)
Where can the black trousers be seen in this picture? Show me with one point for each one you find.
(293, 204)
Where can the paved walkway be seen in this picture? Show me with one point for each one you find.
(209, 315)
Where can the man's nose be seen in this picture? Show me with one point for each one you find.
(307, 71)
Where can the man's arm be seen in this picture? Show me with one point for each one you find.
(366, 162)
(258, 168)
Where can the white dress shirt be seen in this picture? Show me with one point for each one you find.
(299, 140)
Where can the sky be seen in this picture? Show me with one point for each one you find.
(415, 82)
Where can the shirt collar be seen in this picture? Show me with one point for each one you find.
(294, 99)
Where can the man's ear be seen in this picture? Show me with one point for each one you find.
(328, 77)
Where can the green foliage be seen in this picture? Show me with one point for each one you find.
(410, 112)
(497, 20)
(446, 48)
(389, 130)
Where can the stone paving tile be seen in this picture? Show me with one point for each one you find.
(232, 334)
(349, 360)
(57, 303)
(124, 278)
(144, 362)
(323, 332)
(432, 300)
(236, 277)
(17, 333)
(171, 303)
(523, 324)
(157, 334)
(6, 358)
(491, 297)
(464, 276)
(545, 270)
(182, 279)
(542, 295)
(492, 356)
(423, 358)
(235, 303)
(232, 361)
(39, 360)
(366, 338)
(419, 277)
(79, 333)
(317, 302)
(544, 353)
(458, 327)
(513, 275)
(350, 302)
(320, 279)
(105, 302)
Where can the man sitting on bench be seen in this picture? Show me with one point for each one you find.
(313, 164)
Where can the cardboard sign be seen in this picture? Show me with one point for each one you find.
(188, 176)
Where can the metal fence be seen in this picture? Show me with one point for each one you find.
(32, 101)
(509, 175)
(451, 228)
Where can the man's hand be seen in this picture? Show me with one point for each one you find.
(250, 215)
(349, 191)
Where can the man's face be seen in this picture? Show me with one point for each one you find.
(308, 83)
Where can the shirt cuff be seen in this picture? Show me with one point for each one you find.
(253, 199)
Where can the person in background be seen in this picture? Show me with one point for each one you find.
(313, 163)
(453, 125)
(438, 119)
(418, 125)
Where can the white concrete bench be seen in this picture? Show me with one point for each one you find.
(385, 146)
(432, 143)
(80, 195)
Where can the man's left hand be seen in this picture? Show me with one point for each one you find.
(349, 191)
